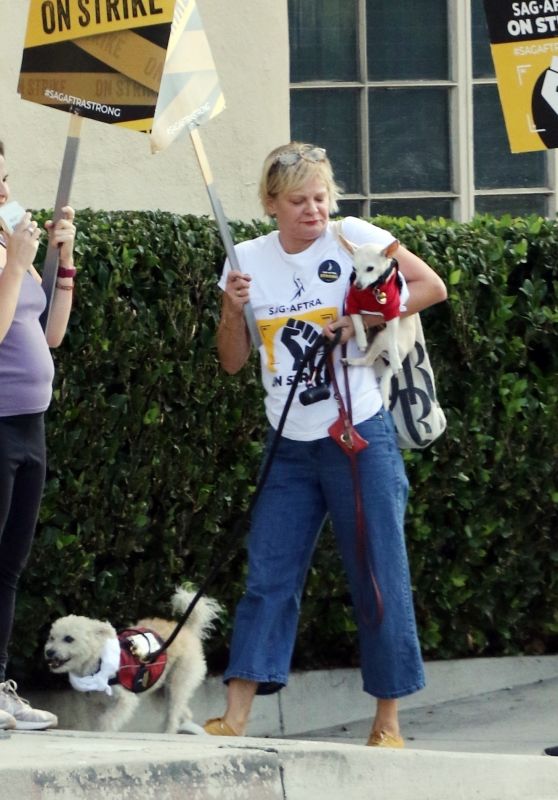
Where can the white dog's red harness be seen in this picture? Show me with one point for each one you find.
(384, 298)
(136, 671)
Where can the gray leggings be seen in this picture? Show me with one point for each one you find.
(22, 477)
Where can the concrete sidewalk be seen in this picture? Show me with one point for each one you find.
(522, 720)
(476, 732)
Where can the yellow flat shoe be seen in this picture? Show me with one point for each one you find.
(385, 739)
(218, 727)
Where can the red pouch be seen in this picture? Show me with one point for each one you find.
(346, 436)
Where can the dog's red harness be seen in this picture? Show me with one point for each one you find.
(384, 298)
(134, 673)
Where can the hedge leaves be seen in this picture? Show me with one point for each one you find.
(154, 451)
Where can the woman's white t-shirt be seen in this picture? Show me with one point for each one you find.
(293, 296)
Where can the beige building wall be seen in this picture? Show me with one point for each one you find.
(115, 168)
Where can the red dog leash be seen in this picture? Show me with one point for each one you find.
(351, 442)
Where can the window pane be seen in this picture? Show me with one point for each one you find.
(496, 167)
(323, 40)
(350, 208)
(329, 118)
(413, 207)
(483, 66)
(518, 205)
(409, 140)
(407, 40)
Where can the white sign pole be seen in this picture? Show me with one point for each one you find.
(223, 226)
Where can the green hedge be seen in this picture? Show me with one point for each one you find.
(154, 451)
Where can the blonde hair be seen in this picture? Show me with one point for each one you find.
(279, 178)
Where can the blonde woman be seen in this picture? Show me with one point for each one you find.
(295, 280)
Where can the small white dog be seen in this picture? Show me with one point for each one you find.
(96, 660)
(376, 289)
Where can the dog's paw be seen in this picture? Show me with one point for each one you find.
(188, 726)
(356, 362)
(362, 344)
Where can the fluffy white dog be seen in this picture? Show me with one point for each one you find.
(90, 652)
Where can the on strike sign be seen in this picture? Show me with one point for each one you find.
(101, 59)
(524, 45)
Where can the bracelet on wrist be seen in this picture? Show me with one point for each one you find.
(67, 272)
(65, 287)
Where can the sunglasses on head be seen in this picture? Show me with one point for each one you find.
(291, 157)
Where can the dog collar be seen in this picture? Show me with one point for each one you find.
(108, 667)
(393, 265)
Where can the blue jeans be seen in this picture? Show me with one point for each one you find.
(308, 480)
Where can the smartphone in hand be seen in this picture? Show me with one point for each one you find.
(10, 215)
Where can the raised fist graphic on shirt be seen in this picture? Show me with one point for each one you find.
(297, 337)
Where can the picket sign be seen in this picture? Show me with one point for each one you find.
(524, 47)
(189, 96)
(154, 74)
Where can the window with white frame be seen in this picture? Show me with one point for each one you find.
(404, 98)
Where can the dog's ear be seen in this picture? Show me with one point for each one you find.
(390, 249)
(349, 246)
(104, 630)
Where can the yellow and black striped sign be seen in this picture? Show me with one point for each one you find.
(524, 45)
(101, 59)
